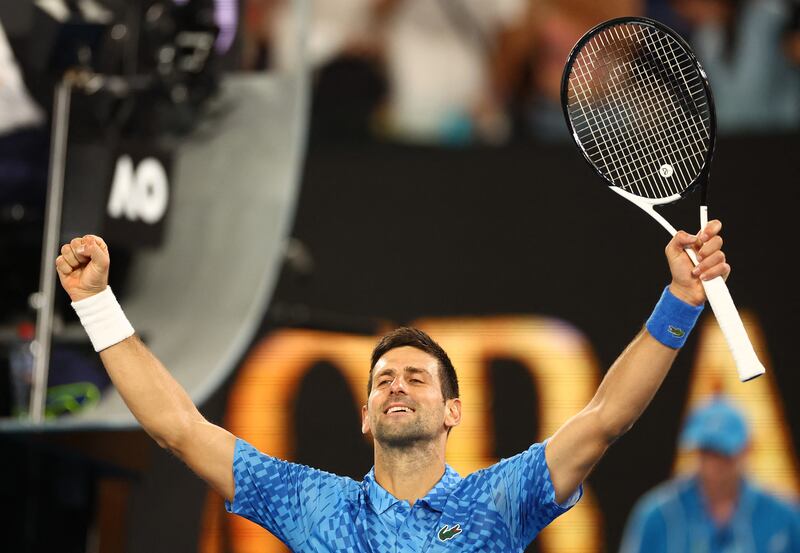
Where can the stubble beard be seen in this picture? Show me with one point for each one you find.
(406, 435)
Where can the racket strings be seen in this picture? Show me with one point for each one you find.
(648, 115)
(620, 144)
(696, 98)
(652, 112)
(639, 110)
(613, 148)
(614, 90)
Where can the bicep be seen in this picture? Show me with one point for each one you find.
(573, 450)
(208, 450)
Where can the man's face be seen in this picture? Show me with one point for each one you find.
(719, 472)
(406, 406)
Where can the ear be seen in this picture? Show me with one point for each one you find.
(364, 420)
(452, 416)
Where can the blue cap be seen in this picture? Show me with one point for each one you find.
(717, 426)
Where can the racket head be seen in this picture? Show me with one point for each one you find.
(639, 107)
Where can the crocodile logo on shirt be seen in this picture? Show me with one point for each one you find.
(677, 332)
(448, 533)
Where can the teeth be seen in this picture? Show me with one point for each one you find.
(398, 410)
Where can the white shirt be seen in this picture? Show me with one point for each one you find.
(437, 70)
(17, 108)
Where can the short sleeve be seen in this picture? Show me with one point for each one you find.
(646, 530)
(795, 531)
(287, 499)
(524, 493)
(776, 520)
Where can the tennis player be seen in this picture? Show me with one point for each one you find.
(411, 500)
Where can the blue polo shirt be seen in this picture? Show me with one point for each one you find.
(672, 519)
(499, 509)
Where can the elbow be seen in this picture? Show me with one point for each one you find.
(173, 436)
(615, 432)
(613, 422)
(169, 441)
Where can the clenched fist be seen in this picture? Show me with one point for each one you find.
(686, 278)
(83, 267)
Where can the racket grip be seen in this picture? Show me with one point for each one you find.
(747, 364)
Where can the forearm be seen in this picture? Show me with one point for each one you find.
(155, 398)
(638, 372)
(626, 390)
(167, 413)
(636, 375)
(630, 384)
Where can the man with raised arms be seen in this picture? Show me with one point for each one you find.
(411, 500)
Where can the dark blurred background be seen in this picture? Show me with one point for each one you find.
(439, 185)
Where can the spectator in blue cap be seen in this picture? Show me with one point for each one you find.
(716, 427)
(716, 509)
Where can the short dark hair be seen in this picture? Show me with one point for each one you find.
(414, 337)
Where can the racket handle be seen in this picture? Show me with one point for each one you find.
(747, 364)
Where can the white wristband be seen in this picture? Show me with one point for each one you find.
(103, 319)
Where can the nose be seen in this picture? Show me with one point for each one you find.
(397, 386)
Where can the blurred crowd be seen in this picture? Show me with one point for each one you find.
(471, 71)
(457, 72)
(433, 72)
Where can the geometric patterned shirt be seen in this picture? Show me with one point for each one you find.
(499, 509)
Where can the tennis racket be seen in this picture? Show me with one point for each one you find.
(639, 106)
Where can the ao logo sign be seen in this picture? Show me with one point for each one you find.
(140, 192)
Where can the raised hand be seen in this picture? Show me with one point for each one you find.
(83, 267)
(686, 278)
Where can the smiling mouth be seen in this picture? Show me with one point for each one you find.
(398, 409)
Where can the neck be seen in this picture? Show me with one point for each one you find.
(409, 473)
(721, 499)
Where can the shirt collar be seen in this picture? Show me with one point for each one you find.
(381, 500)
(747, 497)
(378, 497)
(437, 497)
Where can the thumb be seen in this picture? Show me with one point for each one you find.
(96, 250)
(680, 242)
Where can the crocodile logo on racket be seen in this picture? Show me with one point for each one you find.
(448, 533)
(675, 331)
(666, 171)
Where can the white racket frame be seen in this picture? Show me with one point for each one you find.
(747, 363)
